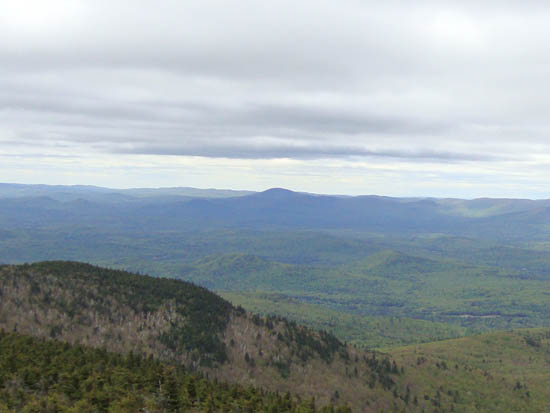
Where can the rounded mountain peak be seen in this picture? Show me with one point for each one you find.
(277, 193)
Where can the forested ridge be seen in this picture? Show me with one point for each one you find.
(76, 337)
(172, 315)
(185, 325)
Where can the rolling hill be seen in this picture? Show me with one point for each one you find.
(466, 298)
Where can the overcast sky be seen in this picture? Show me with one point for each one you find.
(395, 98)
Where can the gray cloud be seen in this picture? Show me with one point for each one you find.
(243, 150)
(436, 82)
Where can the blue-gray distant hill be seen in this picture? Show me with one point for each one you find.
(89, 192)
(275, 209)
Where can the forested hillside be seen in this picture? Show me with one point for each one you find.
(187, 325)
(126, 329)
(38, 375)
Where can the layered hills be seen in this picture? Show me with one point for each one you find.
(399, 275)
(390, 296)
(332, 262)
(189, 208)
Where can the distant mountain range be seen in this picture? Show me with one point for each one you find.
(90, 192)
(189, 208)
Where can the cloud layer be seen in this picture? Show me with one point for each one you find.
(381, 87)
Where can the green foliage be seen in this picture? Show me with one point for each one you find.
(38, 375)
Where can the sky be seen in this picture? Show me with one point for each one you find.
(400, 98)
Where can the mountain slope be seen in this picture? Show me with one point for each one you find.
(126, 313)
(49, 376)
(185, 324)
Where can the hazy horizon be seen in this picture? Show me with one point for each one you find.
(236, 189)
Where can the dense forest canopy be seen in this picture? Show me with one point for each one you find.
(38, 375)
